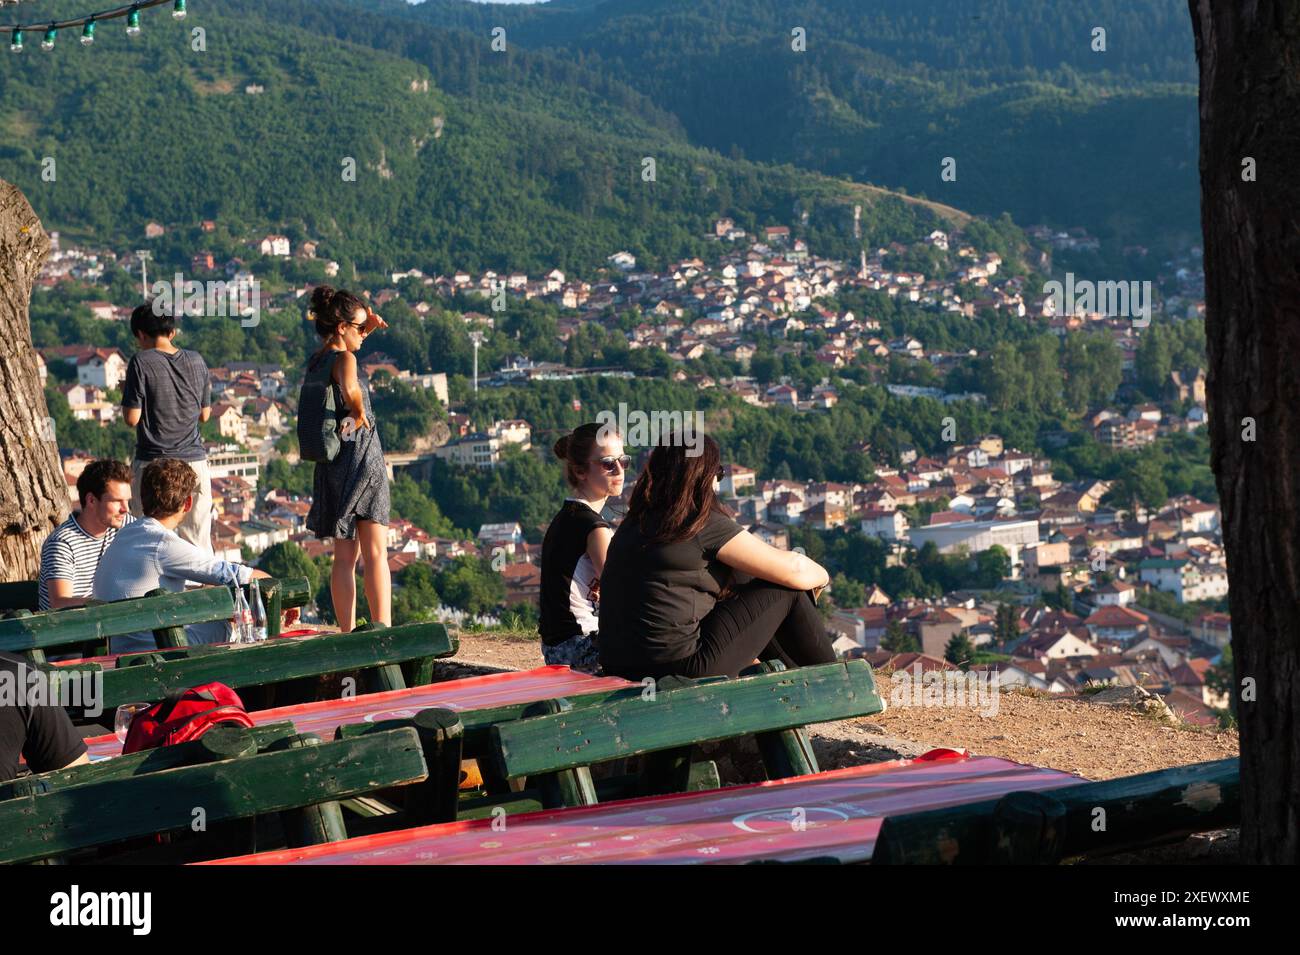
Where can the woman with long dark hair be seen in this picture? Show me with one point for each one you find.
(662, 607)
(573, 551)
(350, 497)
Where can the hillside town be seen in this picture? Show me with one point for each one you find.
(1102, 561)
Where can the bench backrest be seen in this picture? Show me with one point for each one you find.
(162, 612)
(684, 715)
(61, 820)
(274, 661)
(146, 761)
(55, 628)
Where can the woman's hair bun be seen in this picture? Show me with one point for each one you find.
(320, 297)
(561, 447)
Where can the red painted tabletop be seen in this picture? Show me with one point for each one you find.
(471, 693)
(807, 816)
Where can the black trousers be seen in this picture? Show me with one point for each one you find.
(760, 619)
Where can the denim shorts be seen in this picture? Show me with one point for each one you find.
(577, 653)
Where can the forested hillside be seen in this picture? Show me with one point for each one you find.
(1041, 124)
(464, 158)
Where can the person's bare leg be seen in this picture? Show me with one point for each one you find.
(373, 539)
(343, 583)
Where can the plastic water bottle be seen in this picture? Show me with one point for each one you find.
(258, 612)
(243, 619)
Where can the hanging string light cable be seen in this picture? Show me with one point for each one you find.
(87, 23)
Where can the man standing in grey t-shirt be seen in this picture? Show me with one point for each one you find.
(166, 395)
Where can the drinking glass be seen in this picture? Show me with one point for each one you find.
(125, 714)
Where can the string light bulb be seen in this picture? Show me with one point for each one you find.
(88, 23)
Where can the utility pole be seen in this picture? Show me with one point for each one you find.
(143, 256)
(477, 338)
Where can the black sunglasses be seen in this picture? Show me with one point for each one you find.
(622, 462)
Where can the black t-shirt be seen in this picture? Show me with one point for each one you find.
(43, 735)
(653, 595)
(567, 609)
(170, 389)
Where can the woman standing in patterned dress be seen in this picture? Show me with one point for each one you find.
(350, 494)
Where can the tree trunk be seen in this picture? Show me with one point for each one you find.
(33, 492)
(1248, 52)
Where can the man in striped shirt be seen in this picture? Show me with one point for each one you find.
(70, 555)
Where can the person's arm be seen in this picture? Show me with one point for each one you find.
(132, 393)
(373, 322)
(597, 547)
(747, 554)
(345, 373)
(60, 594)
(59, 568)
(52, 742)
(205, 401)
(180, 558)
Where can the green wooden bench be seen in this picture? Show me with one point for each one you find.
(299, 777)
(166, 614)
(1097, 818)
(686, 712)
(539, 755)
(554, 746)
(378, 653)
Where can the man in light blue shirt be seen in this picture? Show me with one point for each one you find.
(149, 554)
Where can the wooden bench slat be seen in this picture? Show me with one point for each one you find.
(477, 723)
(58, 627)
(50, 823)
(156, 612)
(135, 764)
(1139, 810)
(680, 717)
(287, 658)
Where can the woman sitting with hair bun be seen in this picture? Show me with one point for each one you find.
(573, 552)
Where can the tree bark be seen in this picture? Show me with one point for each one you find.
(33, 492)
(1249, 55)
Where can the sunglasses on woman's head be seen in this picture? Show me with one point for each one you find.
(610, 463)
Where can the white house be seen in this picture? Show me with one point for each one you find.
(735, 479)
(274, 245)
(510, 533)
(890, 525)
(978, 536)
(1117, 593)
(514, 431)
